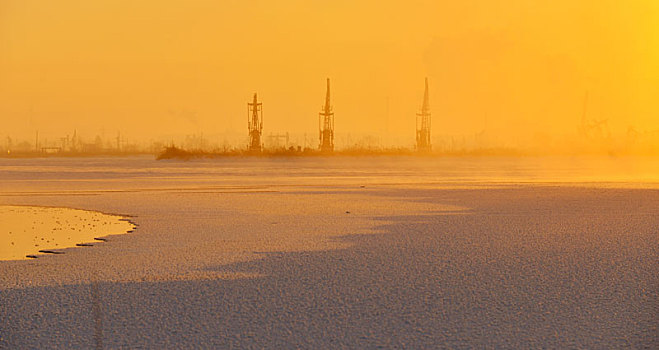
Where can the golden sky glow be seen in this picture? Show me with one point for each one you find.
(160, 67)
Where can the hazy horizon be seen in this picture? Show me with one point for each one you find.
(151, 70)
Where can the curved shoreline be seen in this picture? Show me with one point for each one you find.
(30, 231)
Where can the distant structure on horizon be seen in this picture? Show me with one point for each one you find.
(255, 125)
(423, 128)
(326, 124)
(595, 129)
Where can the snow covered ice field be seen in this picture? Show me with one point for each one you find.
(363, 252)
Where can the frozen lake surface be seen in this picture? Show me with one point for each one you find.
(361, 252)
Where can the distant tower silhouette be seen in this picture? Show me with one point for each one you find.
(423, 129)
(326, 124)
(255, 124)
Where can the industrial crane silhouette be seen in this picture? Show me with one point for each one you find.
(255, 124)
(595, 129)
(423, 129)
(326, 124)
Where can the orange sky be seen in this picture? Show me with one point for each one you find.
(161, 67)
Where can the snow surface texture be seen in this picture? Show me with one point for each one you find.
(273, 254)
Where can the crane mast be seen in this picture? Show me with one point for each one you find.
(423, 128)
(255, 124)
(326, 124)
